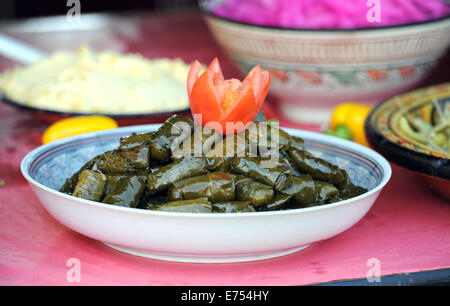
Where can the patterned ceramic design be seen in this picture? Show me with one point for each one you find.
(383, 132)
(319, 68)
(193, 237)
(419, 107)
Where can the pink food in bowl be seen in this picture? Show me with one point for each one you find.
(330, 14)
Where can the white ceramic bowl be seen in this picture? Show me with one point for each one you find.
(200, 237)
(313, 70)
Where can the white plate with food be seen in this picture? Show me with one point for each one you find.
(126, 87)
(197, 235)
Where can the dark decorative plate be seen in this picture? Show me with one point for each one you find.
(386, 133)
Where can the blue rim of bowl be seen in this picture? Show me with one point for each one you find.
(22, 106)
(410, 159)
(345, 145)
(209, 13)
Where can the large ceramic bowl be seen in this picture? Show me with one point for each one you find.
(201, 237)
(385, 134)
(313, 70)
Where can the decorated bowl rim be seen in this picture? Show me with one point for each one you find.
(432, 165)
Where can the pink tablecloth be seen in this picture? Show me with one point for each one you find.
(407, 230)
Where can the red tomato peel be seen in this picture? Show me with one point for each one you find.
(221, 103)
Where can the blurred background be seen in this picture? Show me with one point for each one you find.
(321, 54)
(311, 70)
(18, 9)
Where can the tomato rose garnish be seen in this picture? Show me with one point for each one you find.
(228, 106)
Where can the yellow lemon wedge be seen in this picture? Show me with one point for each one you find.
(76, 126)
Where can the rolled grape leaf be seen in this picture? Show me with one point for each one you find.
(162, 178)
(173, 131)
(231, 146)
(326, 192)
(299, 192)
(255, 168)
(147, 201)
(127, 191)
(302, 189)
(350, 191)
(232, 207)
(319, 169)
(135, 140)
(268, 138)
(278, 202)
(71, 182)
(90, 186)
(218, 164)
(252, 191)
(297, 143)
(202, 141)
(217, 187)
(125, 161)
(200, 205)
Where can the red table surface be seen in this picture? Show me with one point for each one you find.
(407, 230)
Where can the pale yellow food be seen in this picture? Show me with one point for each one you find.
(103, 83)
